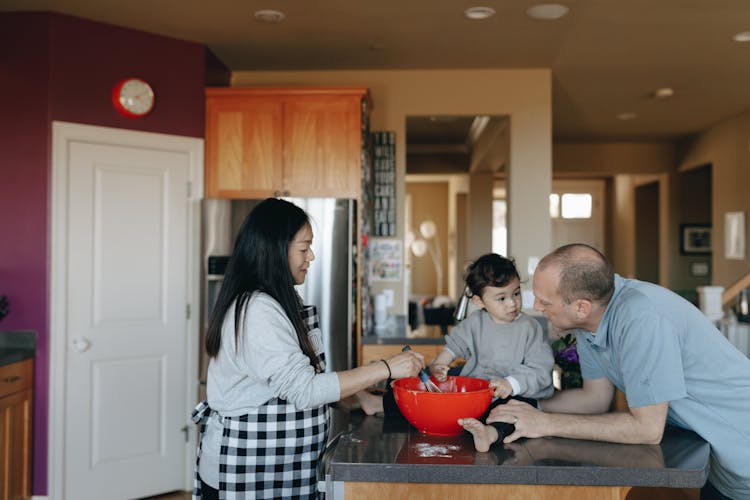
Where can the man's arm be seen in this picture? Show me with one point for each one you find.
(595, 397)
(643, 425)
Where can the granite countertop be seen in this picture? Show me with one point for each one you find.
(16, 345)
(378, 340)
(374, 449)
(399, 333)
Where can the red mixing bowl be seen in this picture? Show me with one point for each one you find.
(436, 413)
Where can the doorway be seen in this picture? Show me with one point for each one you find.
(428, 249)
(647, 249)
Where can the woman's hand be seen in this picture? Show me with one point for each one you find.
(502, 388)
(439, 371)
(406, 364)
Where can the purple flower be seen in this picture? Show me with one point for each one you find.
(566, 357)
(569, 354)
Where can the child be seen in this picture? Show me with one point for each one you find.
(499, 343)
(265, 421)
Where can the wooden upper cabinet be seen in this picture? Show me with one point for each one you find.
(244, 155)
(298, 142)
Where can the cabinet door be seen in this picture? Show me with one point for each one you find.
(243, 146)
(322, 145)
(15, 445)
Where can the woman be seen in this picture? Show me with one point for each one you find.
(265, 422)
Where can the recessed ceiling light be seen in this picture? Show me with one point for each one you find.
(628, 115)
(269, 16)
(478, 13)
(663, 93)
(548, 11)
(743, 36)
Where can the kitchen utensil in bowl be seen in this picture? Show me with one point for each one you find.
(428, 383)
(437, 413)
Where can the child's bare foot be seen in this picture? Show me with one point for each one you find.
(484, 435)
(370, 403)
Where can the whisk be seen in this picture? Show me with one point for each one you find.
(429, 384)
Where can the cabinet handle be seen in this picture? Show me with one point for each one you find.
(10, 380)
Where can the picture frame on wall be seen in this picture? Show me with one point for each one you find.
(695, 239)
(734, 235)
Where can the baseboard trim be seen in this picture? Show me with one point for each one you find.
(39, 497)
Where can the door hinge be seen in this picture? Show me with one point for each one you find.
(185, 430)
(189, 189)
(187, 311)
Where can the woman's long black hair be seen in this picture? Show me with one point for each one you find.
(260, 262)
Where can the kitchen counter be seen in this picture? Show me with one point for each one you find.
(16, 345)
(403, 339)
(387, 458)
(397, 332)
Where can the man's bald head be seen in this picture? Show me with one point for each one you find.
(583, 271)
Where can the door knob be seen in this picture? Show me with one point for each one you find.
(81, 344)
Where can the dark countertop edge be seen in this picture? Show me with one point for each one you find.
(17, 339)
(354, 461)
(375, 340)
(8, 357)
(533, 475)
(16, 345)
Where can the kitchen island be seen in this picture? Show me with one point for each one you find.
(374, 457)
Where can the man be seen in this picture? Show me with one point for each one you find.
(670, 361)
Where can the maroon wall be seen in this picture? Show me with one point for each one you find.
(24, 200)
(88, 58)
(55, 67)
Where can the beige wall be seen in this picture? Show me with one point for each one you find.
(726, 147)
(523, 95)
(612, 158)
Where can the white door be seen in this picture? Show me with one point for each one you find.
(583, 227)
(126, 289)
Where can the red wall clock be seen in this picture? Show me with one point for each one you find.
(133, 97)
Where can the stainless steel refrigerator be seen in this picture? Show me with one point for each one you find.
(330, 283)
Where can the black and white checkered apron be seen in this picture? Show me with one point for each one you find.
(273, 451)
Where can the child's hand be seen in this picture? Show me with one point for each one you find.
(502, 388)
(439, 371)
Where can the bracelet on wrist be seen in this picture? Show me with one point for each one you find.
(388, 367)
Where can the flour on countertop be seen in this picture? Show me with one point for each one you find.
(435, 450)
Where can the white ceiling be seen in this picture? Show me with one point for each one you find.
(606, 56)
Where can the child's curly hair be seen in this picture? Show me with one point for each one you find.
(490, 270)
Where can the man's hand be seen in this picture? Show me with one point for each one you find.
(529, 421)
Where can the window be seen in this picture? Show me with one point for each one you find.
(570, 205)
(499, 227)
